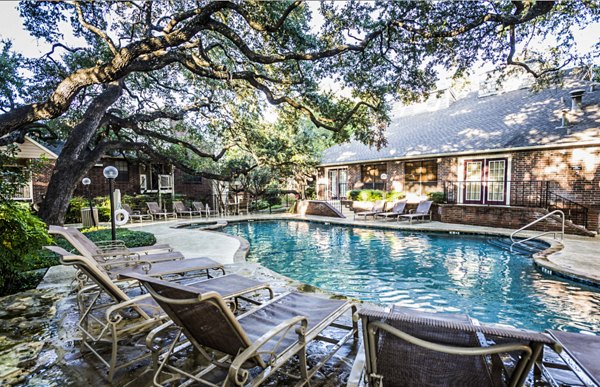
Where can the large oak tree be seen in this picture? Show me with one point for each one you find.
(205, 59)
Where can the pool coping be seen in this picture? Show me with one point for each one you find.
(540, 259)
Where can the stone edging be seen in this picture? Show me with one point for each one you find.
(548, 267)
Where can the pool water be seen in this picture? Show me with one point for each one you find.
(427, 271)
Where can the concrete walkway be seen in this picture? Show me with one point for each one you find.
(576, 256)
(194, 243)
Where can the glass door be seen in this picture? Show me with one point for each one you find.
(473, 191)
(337, 179)
(496, 181)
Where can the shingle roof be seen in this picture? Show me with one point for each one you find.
(515, 119)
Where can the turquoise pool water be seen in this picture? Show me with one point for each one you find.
(427, 271)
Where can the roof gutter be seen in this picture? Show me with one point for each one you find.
(465, 153)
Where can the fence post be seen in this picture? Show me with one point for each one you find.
(547, 194)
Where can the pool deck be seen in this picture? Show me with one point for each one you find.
(575, 257)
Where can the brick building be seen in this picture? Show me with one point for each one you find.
(486, 150)
(133, 178)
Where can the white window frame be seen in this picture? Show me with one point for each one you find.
(460, 173)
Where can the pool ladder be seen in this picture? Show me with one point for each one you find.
(522, 241)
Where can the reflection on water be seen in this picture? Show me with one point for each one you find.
(431, 272)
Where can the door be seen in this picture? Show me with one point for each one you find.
(485, 181)
(496, 181)
(337, 183)
(473, 191)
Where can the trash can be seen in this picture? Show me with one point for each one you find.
(86, 219)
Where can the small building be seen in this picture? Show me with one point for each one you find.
(33, 151)
(134, 177)
(486, 151)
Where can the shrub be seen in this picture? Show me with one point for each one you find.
(394, 195)
(131, 238)
(23, 236)
(436, 197)
(73, 214)
(353, 195)
(310, 193)
(365, 195)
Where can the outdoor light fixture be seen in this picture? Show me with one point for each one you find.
(384, 177)
(111, 174)
(86, 183)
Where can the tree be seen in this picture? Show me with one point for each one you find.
(214, 66)
(376, 49)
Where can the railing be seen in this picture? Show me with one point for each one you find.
(338, 192)
(532, 193)
(522, 241)
(573, 211)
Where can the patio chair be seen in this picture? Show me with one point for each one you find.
(423, 210)
(136, 214)
(204, 209)
(378, 208)
(255, 344)
(581, 353)
(397, 210)
(155, 210)
(114, 252)
(410, 348)
(181, 209)
(127, 316)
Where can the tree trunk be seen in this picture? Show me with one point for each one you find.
(76, 158)
(64, 180)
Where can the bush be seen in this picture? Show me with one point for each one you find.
(365, 195)
(310, 193)
(394, 195)
(73, 214)
(436, 197)
(23, 236)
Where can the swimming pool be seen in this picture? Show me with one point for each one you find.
(428, 271)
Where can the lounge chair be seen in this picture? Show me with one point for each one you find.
(423, 210)
(155, 210)
(378, 208)
(204, 209)
(136, 214)
(181, 209)
(126, 316)
(410, 348)
(397, 210)
(581, 354)
(114, 252)
(262, 340)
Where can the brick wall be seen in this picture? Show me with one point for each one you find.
(503, 217)
(354, 177)
(99, 185)
(395, 172)
(313, 207)
(192, 190)
(572, 173)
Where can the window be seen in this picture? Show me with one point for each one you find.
(371, 176)
(123, 169)
(421, 176)
(191, 179)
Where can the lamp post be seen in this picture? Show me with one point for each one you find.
(111, 174)
(384, 177)
(86, 183)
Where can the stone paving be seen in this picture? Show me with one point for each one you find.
(39, 343)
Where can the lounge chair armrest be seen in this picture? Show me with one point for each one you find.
(412, 211)
(452, 350)
(238, 375)
(113, 315)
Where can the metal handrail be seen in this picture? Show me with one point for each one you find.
(562, 234)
